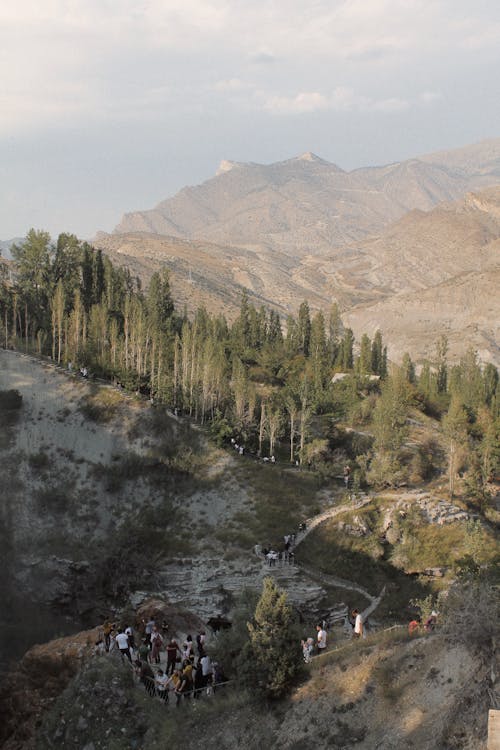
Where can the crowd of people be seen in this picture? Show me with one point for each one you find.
(186, 669)
(284, 555)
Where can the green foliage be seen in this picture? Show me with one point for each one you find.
(247, 380)
(271, 658)
(227, 648)
(101, 406)
(425, 606)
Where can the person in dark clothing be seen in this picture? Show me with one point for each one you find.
(199, 680)
(172, 651)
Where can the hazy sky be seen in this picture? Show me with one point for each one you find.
(113, 105)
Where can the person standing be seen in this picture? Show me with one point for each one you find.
(172, 649)
(156, 644)
(149, 629)
(320, 639)
(206, 669)
(358, 624)
(162, 685)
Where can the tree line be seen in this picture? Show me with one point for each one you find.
(261, 379)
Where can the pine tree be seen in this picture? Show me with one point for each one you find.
(455, 431)
(378, 367)
(335, 331)
(364, 364)
(408, 368)
(271, 658)
(441, 363)
(304, 328)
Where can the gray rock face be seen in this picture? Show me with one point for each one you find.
(441, 512)
(358, 527)
(208, 587)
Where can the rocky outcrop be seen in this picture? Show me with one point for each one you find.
(32, 686)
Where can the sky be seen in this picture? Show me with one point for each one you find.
(109, 106)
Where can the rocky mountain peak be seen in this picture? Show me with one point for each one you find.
(309, 156)
(227, 165)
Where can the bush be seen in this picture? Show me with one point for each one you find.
(271, 657)
(102, 406)
(10, 400)
(39, 461)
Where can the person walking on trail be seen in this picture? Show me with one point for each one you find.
(358, 624)
(320, 639)
(122, 643)
(347, 475)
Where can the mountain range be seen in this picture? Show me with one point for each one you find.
(411, 248)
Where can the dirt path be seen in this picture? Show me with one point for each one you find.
(312, 523)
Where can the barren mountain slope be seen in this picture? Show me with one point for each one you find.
(430, 272)
(204, 273)
(465, 308)
(306, 204)
(426, 248)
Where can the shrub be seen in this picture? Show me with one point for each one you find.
(10, 400)
(271, 658)
(39, 461)
(102, 406)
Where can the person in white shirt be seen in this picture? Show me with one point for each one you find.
(206, 669)
(320, 639)
(162, 682)
(122, 643)
(358, 624)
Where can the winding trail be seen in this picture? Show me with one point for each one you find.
(329, 580)
(312, 523)
(341, 583)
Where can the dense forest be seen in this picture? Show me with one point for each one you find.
(296, 388)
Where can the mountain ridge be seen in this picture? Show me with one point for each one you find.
(306, 203)
(436, 266)
(305, 229)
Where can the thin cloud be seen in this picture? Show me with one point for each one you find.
(302, 103)
(232, 85)
(341, 99)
